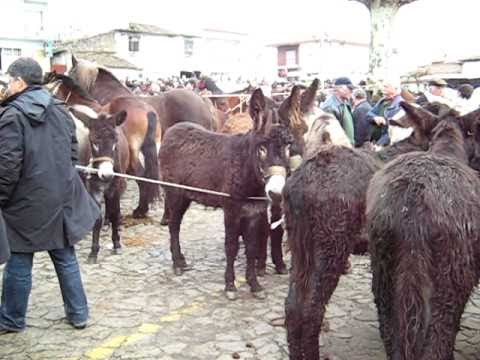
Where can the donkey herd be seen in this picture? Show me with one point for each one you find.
(413, 206)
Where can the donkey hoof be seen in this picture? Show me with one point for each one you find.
(116, 251)
(231, 295)
(281, 269)
(178, 270)
(261, 295)
(139, 214)
(261, 272)
(92, 259)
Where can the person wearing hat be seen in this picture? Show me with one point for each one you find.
(338, 104)
(435, 93)
(43, 201)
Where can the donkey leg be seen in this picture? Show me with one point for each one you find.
(142, 208)
(250, 236)
(294, 322)
(93, 256)
(276, 237)
(112, 207)
(262, 244)
(232, 233)
(164, 221)
(178, 205)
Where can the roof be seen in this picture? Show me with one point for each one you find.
(317, 40)
(148, 29)
(107, 59)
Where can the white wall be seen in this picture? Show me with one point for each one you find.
(28, 48)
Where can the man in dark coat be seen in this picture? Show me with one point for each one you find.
(44, 203)
(361, 122)
(4, 248)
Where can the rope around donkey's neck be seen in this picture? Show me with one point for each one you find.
(91, 170)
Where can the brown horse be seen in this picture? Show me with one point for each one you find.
(174, 106)
(106, 143)
(243, 166)
(141, 130)
(423, 218)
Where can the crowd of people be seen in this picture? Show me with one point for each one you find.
(366, 120)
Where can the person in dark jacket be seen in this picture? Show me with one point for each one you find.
(361, 123)
(44, 203)
(4, 247)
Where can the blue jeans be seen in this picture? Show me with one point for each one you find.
(17, 283)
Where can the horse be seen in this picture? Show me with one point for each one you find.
(243, 166)
(423, 215)
(324, 203)
(104, 147)
(174, 106)
(141, 130)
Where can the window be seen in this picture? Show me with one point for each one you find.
(291, 58)
(188, 47)
(133, 43)
(11, 52)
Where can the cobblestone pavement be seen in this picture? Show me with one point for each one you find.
(140, 310)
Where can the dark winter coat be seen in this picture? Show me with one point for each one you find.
(44, 203)
(4, 247)
(361, 123)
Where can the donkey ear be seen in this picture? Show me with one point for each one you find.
(82, 114)
(467, 121)
(417, 117)
(257, 108)
(120, 117)
(74, 61)
(308, 97)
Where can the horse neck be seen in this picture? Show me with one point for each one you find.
(75, 99)
(107, 87)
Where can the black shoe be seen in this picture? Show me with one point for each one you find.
(79, 325)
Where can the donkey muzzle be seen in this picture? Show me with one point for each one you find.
(105, 167)
(276, 176)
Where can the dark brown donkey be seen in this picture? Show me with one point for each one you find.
(423, 213)
(172, 107)
(324, 203)
(109, 153)
(141, 129)
(243, 166)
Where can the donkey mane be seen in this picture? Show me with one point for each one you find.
(73, 86)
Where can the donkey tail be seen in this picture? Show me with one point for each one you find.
(150, 154)
(413, 291)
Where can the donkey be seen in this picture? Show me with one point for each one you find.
(324, 204)
(141, 129)
(109, 153)
(423, 215)
(246, 165)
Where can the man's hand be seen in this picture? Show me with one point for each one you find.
(380, 120)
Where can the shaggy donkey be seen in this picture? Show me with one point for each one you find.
(423, 214)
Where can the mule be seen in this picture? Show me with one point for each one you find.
(243, 166)
(324, 204)
(141, 129)
(172, 107)
(109, 153)
(423, 215)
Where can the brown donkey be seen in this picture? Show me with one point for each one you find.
(252, 164)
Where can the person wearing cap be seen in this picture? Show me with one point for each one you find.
(464, 102)
(42, 199)
(435, 93)
(338, 104)
(385, 109)
(361, 108)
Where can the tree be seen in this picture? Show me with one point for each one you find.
(382, 14)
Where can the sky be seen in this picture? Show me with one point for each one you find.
(424, 30)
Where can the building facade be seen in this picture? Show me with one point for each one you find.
(22, 32)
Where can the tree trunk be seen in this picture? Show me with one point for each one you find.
(382, 16)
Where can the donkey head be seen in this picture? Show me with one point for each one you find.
(103, 138)
(270, 145)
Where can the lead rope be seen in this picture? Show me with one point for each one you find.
(90, 170)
